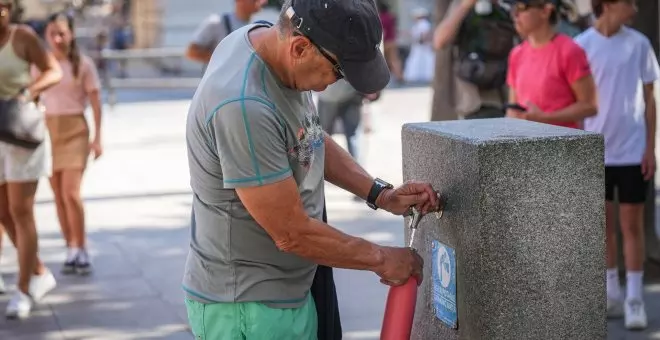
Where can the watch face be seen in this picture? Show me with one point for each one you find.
(382, 183)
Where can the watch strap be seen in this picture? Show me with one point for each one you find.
(376, 188)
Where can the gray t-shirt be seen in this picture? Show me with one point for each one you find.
(245, 129)
(213, 29)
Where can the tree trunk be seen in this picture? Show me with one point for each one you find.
(443, 82)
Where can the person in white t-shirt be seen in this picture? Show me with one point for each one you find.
(624, 67)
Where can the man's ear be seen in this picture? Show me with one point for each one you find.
(300, 47)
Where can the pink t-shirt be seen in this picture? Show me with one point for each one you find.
(543, 76)
(69, 96)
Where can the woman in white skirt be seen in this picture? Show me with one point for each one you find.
(420, 64)
(21, 168)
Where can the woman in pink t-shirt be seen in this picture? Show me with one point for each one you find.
(65, 104)
(548, 73)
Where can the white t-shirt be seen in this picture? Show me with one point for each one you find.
(620, 64)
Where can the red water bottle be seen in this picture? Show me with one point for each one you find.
(400, 311)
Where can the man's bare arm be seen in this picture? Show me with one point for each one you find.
(278, 209)
(343, 171)
(198, 53)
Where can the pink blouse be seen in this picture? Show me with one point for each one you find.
(69, 96)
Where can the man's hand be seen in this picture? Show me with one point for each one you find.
(399, 265)
(648, 164)
(468, 3)
(417, 194)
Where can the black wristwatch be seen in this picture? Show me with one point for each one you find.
(378, 187)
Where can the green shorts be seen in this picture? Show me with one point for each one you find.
(252, 321)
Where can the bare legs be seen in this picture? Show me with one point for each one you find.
(70, 212)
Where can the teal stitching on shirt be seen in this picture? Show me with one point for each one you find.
(255, 178)
(233, 100)
(272, 109)
(263, 80)
(202, 296)
(248, 133)
(197, 295)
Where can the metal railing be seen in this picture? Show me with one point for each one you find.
(152, 58)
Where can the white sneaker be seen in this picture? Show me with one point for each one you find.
(614, 308)
(40, 285)
(19, 306)
(635, 314)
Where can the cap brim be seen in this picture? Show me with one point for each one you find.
(367, 77)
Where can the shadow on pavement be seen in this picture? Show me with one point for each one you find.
(134, 292)
(122, 197)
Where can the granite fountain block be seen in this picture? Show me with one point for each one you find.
(524, 220)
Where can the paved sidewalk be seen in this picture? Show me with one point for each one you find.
(138, 205)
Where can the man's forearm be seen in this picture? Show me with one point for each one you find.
(343, 171)
(199, 54)
(325, 245)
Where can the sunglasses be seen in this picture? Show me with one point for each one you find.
(524, 6)
(336, 68)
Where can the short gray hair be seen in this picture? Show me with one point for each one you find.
(283, 22)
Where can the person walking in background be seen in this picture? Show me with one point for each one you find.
(216, 27)
(625, 67)
(482, 35)
(120, 32)
(340, 101)
(388, 20)
(21, 168)
(420, 64)
(70, 138)
(549, 76)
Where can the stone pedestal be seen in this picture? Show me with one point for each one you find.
(525, 216)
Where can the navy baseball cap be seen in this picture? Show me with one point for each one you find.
(349, 29)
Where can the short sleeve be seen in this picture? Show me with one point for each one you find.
(207, 34)
(90, 76)
(251, 144)
(650, 69)
(575, 63)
